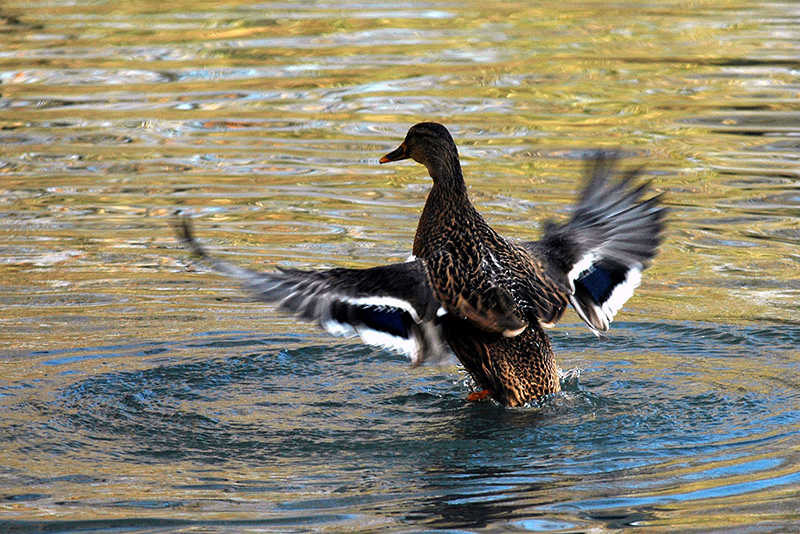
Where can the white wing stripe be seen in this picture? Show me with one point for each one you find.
(622, 292)
(409, 347)
(382, 302)
(336, 328)
(580, 267)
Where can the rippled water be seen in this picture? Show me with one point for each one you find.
(140, 392)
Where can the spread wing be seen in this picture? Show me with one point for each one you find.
(599, 255)
(391, 306)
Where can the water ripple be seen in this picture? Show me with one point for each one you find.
(141, 392)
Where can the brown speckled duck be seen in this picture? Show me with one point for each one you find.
(468, 288)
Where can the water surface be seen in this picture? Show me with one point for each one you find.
(141, 392)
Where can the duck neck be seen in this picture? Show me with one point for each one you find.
(447, 176)
(447, 208)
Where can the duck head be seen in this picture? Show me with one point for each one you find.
(430, 144)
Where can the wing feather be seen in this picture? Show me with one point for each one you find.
(392, 306)
(598, 255)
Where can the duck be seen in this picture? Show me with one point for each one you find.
(469, 292)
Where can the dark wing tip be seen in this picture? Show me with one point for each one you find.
(599, 167)
(613, 234)
(184, 230)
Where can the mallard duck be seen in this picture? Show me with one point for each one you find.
(467, 288)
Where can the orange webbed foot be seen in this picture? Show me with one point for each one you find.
(477, 396)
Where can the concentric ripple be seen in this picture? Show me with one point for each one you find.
(141, 392)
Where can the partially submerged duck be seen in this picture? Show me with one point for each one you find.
(467, 288)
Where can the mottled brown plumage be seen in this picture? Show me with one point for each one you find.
(495, 292)
(469, 288)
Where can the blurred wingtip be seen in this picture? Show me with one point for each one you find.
(184, 230)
